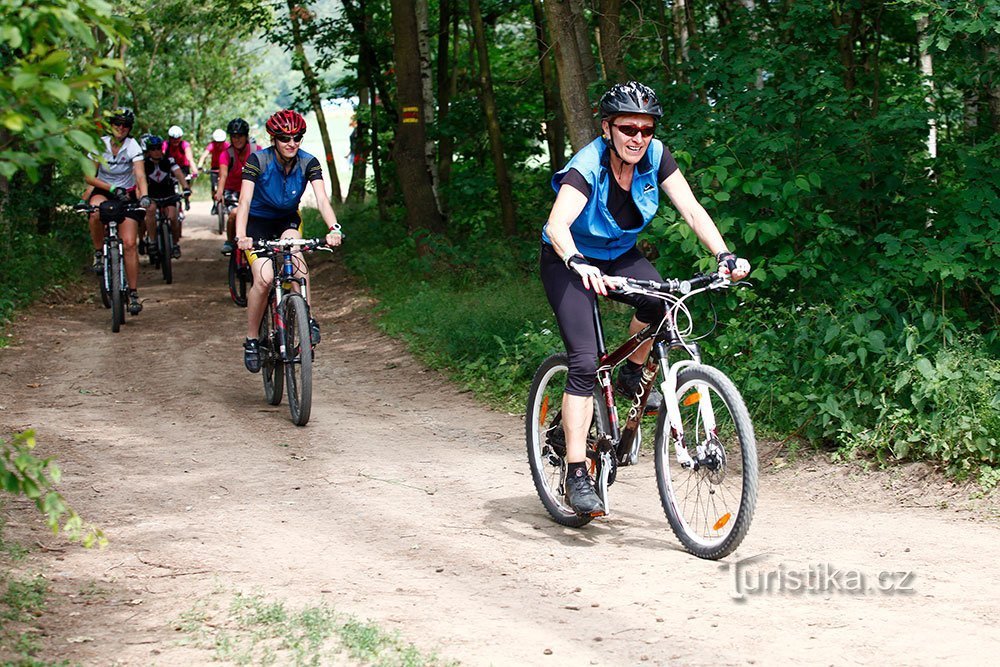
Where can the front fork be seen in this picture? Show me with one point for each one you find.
(670, 403)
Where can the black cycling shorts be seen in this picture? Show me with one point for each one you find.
(269, 229)
(573, 306)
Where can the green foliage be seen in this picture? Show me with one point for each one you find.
(51, 73)
(25, 474)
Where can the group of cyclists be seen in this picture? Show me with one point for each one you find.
(267, 182)
(605, 196)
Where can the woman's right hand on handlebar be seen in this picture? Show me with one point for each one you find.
(590, 275)
(244, 243)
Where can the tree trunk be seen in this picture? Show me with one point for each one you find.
(582, 33)
(664, 30)
(446, 73)
(357, 17)
(927, 72)
(309, 77)
(991, 85)
(422, 211)
(555, 129)
(609, 21)
(427, 80)
(572, 81)
(681, 36)
(359, 148)
(504, 190)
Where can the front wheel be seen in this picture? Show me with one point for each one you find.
(116, 288)
(164, 239)
(546, 440)
(271, 368)
(221, 214)
(238, 277)
(708, 485)
(298, 358)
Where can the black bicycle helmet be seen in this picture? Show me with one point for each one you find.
(238, 126)
(124, 117)
(631, 97)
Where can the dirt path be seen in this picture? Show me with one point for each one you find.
(406, 502)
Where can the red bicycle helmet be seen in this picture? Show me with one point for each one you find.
(286, 121)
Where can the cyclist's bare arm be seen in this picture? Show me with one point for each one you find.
(243, 213)
(223, 174)
(179, 175)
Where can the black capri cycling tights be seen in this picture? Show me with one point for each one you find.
(573, 306)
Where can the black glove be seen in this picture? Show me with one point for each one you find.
(187, 193)
(145, 201)
(121, 194)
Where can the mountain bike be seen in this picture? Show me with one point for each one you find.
(286, 348)
(164, 242)
(705, 451)
(112, 282)
(240, 275)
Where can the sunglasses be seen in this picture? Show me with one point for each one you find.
(632, 130)
(285, 138)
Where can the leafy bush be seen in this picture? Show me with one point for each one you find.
(25, 474)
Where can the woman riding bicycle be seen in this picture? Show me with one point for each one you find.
(274, 180)
(591, 233)
(119, 174)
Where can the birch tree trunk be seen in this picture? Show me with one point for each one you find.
(927, 72)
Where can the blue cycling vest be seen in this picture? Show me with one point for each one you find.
(595, 232)
(277, 194)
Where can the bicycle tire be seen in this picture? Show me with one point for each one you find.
(102, 284)
(707, 513)
(221, 213)
(237, 280)
(298, 358)
(164, 239)
(117, 292)
(271, 368)
(546, 449)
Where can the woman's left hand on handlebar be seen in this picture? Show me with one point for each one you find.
(334, 237)
(244, 243)
(733, 267)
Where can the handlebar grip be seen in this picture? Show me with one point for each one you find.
(698, 281)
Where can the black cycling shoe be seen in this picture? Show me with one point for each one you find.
(580, 494)
(134, 305)
(98, 265)
(627, 384)
(175, 252)
(142, 246)
(313, 331)
(251, 355)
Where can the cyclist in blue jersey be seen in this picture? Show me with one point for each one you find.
(274, 180)
(607, 193)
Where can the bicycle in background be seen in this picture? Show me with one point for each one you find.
(112, 282)
(705, 451)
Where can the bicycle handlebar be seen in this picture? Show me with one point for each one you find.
(672, 285)
(269, 247)
(83, 207)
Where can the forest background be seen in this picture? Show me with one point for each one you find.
(848, 148)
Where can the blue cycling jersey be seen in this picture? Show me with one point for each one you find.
(277, 192)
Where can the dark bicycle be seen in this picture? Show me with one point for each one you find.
(286, 348)
(240, 275)
(112, 281)
(164, 243)
(708, 479)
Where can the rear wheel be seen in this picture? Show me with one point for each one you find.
(271, 367)
(164, 240)
(238, 277)
(113, 267)
(546, 440)
(709, 490)
(298, 358)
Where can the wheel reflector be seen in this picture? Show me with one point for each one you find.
(544, 411)
(691, 399)
(723, 520)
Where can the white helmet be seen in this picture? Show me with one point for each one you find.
(175, 132)
(219, 135)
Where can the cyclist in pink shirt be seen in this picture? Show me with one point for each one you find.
(214, 149)
(231, 172)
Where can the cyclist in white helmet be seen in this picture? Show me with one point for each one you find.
(215, 148)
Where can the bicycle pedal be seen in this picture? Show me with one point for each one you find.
(597, 514)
